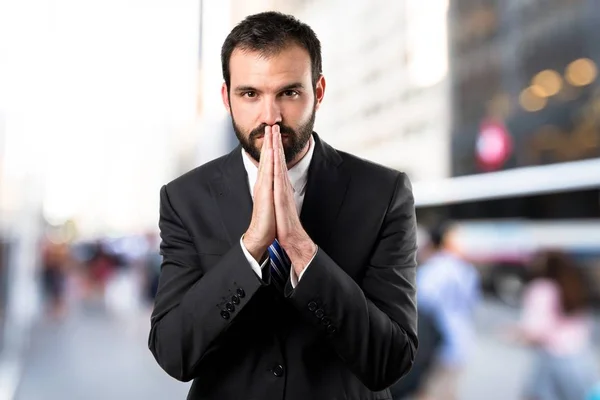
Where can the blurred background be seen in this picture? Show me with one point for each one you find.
(492, 107)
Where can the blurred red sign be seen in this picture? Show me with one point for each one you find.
(494, 145)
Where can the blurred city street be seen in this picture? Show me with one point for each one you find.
(491, 109)
(93, 356)
(499, 369)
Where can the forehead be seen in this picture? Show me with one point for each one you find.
(249, 67)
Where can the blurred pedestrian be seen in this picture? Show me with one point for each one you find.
(448, 290)
(151, 261)
(55, 257)
(101, 267)
(556, 321)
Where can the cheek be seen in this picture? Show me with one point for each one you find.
(245, 116)
(300, 112)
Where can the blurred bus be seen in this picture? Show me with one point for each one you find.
(502, 250)
(505, 217)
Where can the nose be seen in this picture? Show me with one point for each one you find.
(271, 111)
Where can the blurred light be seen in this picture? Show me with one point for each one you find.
(549, 81)
(530, 101)
(581, 72)
(539, 91)
(494, 145)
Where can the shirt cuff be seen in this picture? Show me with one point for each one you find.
(253, 263)
(293, 280)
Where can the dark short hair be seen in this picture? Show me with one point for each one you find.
(439, 232)
(269, 33)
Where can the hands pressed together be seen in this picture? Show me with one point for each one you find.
(274, 214)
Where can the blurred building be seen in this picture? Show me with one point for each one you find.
(525, 101)
(525, 137)
(110, 108)
(532, 67)
(20, 184)
(524, 93)
(87, 134)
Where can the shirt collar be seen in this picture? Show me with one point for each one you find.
(298, 174)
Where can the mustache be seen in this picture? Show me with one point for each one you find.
(284, 129)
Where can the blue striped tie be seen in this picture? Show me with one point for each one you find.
(280, 265)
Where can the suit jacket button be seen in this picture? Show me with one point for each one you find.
(312, 306)
(319, 313)
(230, 307)
(278, 370)
(331, 329)
(240, 292)
(225, 314)
(235, 299)
(326, 321)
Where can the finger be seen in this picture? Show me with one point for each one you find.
(268, 139)
(284, 194)
(263, 154)
(266, 177)
(278, 172)
(278, 183)
(283, 197)
(282, 165)
(278, 145)
(267, 173)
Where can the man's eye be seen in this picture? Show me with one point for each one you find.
(290, 93)
(249, 94)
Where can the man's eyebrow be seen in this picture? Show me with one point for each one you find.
(295, 85)
(245, 89)
(291, 86)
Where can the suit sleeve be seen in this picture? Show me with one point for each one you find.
(191, 311)
(372, 325)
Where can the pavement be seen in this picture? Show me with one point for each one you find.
(96, 355)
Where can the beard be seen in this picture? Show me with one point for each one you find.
(295, 143)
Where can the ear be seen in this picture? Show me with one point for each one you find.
(225, 97)
(320, 91)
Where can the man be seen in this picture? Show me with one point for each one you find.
(288, 266)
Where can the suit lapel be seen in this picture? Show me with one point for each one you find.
(232, 194)
(325, 192)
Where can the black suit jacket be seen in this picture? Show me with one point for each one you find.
(347, 331)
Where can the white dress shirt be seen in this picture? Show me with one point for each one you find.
(298, 175)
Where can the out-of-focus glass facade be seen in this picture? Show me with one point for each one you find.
(531, 66)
